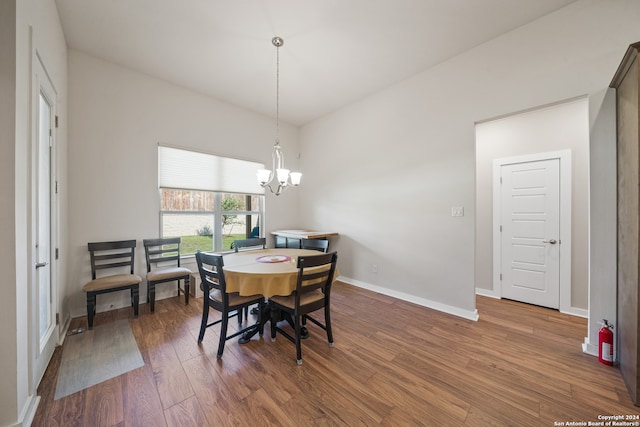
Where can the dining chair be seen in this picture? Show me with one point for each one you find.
(117, 258)
(255, 243)
(164, 254)
(214, 288)
(247, 244)
(321, 245)
(313, 292)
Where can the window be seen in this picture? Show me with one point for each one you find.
(209, 201)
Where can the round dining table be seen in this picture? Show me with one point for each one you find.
(266, 272)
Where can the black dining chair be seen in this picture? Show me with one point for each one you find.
(250, 244)
(164, 254)
(313, 292)
(214, 288)
(321, 245)
(255, 243)
(118, 258)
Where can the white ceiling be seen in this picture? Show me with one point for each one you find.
(335, 51)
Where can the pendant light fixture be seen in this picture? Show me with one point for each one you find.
(282, 176)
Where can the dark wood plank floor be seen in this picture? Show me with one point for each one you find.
(393, 364)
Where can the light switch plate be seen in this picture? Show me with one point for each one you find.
(457, 211)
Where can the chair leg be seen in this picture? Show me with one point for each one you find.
(260, 324)
(205, 319)
(91, 308)
(151, 295)
(135, 299)
(223, 335)
(186, 290)
(327, 323)
(274, 322)
(297, 322)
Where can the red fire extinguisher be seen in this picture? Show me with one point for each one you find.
(605, 343)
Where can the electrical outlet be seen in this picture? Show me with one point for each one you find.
(457, 211)
(374, 268)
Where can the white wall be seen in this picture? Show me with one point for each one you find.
(117, 118)
(603, 219)
(552, 128)
(385, 171)
(13, 371)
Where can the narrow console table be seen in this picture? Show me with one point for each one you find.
(293, 238)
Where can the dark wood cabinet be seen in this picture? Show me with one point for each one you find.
(627, 327)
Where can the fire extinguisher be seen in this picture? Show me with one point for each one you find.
(605, 343)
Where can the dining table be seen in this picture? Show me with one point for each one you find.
(266, 272)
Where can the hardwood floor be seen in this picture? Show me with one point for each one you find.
(393, 364)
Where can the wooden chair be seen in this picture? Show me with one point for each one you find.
(165, 252)
(257, 243)
(113, 256)
(250, 244)
(313, 292)
(321, 245)
(214, 287)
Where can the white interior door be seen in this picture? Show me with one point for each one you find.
(530, 232)
(44, 327)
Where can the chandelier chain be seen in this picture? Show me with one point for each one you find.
(277, 93)
(282, 176)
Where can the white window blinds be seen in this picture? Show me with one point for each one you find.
(192, 170)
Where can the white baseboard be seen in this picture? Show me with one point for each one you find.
(456, 311)
(64, 328)
(588, 348)
(161, 293)
(29, 411)
(487, 293)
(574, 311)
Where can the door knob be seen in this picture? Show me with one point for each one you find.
(552, 241)
(41, 264)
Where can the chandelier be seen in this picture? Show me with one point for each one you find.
(282, 176)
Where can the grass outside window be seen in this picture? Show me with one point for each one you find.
(191, 244)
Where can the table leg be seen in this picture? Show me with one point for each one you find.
(266, 313)
(304, 332)
(266, 316)
(246, 337)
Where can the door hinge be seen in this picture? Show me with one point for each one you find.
(57, 253)
(500, 180)
(56, 187)
(57, 122)
(501, 277)
(501, 229)
(57, 318)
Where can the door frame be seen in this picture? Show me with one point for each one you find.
(564, 156)
(41, 79)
